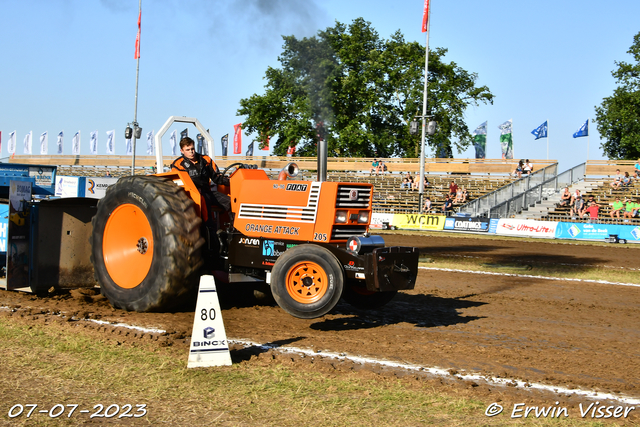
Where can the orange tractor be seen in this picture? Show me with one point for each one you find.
(309, 240)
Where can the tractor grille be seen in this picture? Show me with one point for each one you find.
(343, 232)
(362, 202)
(285, 213)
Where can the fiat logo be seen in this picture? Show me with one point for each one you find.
(353, 195)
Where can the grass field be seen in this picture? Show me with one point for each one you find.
(52, 365)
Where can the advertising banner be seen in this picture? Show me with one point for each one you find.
(43, 175)
(526, 228)
(4, 226)
(378, 219)
(569, 230)
(96, 188)
(418, 222)
(19, 227)
(493, 225)
(68, 186)
(467, 224)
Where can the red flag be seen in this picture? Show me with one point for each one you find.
(425, 16)
(137, 55)
(266, 144)
(237, 138)
(291, 150)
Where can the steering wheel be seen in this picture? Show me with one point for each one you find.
(238, 165)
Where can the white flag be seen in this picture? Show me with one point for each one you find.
(75, 144)
(60, 138)
(110, 144)
(44, 144)
(128, 142)
(172, 141)
(11, 143)
(27, 142)
(93, 144)
(150, 143)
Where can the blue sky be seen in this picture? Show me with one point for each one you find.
(69, 64)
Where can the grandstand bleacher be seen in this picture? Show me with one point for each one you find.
(479, 176)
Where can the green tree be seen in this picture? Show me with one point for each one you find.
(618, 117)
(359, 92)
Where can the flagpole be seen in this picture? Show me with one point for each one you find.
(135, 111)
(424, 113)
(547, 139)
(588, 137)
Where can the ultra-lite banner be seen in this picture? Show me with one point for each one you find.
(526, 228)
(419, 222)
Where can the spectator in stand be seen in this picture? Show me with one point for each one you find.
(407, 181)
(519, 169)
(416, 183)
(447, 206)
(411, 179)
(427, 205)
(577, 209)
(592, 210)
(636, 208)
(617, 179)
(616, 207)
(375, 167)
(382, 167)
(565, 198)
(626, 180)
(628, 209)
(465, 194)
(528, 167)
(636, 170)
(574, 196)
(453, 189)
(458, 198)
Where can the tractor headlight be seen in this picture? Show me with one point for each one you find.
(363, 217)
(341, 216)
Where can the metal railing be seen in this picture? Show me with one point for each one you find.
(536, 194)
(483, 205)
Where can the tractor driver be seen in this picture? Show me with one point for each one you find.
(202, 170)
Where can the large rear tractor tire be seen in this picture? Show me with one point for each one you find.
(307, 281)
(146, 244)
(358, 296)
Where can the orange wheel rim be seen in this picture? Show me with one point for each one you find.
(307, 282)
(127, 246)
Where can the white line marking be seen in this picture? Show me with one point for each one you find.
(124, 325)
(530, 276)
(444, 372)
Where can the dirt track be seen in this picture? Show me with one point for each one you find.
(561, 333)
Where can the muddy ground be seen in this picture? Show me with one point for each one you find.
(561, 333)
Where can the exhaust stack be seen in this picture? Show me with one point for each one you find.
(323, 151)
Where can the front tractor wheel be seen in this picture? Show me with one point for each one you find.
(145, 244)
(307, 281)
